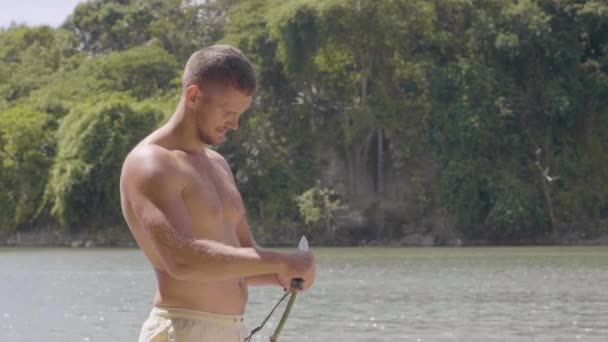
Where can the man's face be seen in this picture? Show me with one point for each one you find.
(218, 110)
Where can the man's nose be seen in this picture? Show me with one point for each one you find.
(233, 124)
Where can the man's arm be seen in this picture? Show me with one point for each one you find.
(270, 279)
(161, 213)
(246, 240)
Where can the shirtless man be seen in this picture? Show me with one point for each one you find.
(181, 203)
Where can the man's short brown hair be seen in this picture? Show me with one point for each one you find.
(220, 64)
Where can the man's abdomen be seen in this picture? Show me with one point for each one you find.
(225, 297)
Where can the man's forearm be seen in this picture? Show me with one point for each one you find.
(263, 280)
(207, 260)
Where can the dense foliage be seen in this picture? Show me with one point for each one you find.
(483, 120)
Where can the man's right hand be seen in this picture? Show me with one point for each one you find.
(299, 265)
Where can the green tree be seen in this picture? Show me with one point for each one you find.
(181, 27)
(26, 151)
(93, 140)
(30, 56)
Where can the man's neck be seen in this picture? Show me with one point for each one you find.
(181, 134)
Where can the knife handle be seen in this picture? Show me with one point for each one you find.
(296, 283)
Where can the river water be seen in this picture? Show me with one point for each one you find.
(361, 294)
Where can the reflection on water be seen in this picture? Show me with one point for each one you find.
(361, 294)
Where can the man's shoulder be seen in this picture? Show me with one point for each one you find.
(150, 163)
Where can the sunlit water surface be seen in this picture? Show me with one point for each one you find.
(361, 294)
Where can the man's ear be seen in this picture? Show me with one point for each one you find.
(192, 93)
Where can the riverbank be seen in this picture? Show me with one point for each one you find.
(122, 238)
(113, 237)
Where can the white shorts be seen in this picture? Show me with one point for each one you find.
(182, 325)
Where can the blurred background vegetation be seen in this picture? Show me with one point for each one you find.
(400, 122)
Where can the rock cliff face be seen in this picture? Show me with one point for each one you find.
(387, 199)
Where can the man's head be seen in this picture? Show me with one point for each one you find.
(217, 85)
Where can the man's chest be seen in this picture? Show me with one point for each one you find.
(214, 204)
